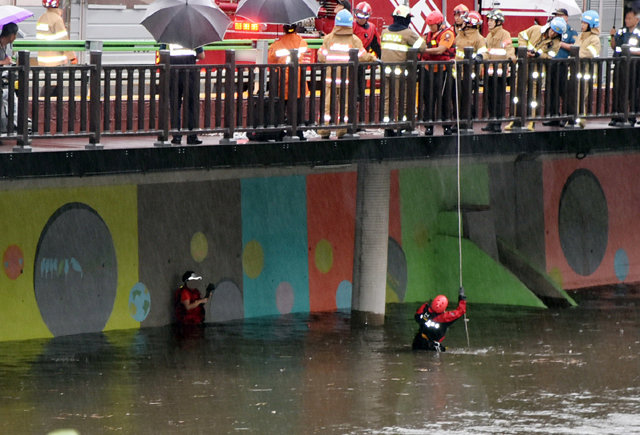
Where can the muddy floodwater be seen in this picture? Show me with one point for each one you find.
(525, 371)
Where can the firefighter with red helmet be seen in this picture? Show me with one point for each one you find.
(366, 31)
(459, 13)
(440, 47)
(433, 321)
(50, 27)
(469, 36)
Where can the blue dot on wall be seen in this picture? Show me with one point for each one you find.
(343, 295)
(139, 302)
(621, 264)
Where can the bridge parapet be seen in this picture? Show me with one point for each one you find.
(283, 101)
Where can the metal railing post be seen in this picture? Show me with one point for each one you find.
(164, 96)
(229, 97)
(95, 106)
(467, 90)
(522, 77)
(624, 94)
(22, 145)
(352, 94)
(412, 82)
(292, 98)
(573, 85)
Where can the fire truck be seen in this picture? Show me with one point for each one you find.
(102, 20)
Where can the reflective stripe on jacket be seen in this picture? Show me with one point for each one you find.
(50, 27)
(396, 44)
(589, 43)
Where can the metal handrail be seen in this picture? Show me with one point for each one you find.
(95, 100)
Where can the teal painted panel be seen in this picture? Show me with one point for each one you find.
(274, 240)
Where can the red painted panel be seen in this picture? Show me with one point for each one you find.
(395, 229)
(331, 210)
(619, 178)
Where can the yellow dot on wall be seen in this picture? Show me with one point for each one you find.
(199, 247)
(556, 276)
(324, 256)
(253, 259)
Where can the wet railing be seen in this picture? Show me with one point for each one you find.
(283, 101)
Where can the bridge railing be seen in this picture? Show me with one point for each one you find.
(95, 100)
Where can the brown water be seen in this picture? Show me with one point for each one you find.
(574, 371)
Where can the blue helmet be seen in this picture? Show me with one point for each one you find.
(558, 25)
(591, 18)
(344, 18)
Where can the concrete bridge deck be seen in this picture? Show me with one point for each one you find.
(67, 156)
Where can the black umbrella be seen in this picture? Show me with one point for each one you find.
(278, 11)
(190, 23)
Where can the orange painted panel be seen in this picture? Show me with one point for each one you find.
(331, 210)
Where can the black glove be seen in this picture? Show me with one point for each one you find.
(461, 295)
(210, 289)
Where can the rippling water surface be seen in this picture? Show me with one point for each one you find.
(573, 371)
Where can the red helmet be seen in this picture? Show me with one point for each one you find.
(363, 10)
(435, 17)
(50, 3)
(473, 18)
(460, 9)
(439, 304)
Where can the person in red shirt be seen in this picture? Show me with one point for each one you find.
(434, 321)
(366, 31)
(189, 305)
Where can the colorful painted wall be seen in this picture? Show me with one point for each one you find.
(93, 258)
(591, 210)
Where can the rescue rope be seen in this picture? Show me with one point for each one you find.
(455, 66)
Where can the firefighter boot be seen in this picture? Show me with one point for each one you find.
(324, 134)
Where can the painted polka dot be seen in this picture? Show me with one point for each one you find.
(343, 295)
(139, 302)
(621, 264)
(324, 256)
(253, 259)
(199, 247)
(13, 261)
(284, 297)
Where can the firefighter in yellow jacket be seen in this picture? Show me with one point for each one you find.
(335, 49)
(544, 42)
(589, 43)
(499, 48)
(396, 40)
(50, 27)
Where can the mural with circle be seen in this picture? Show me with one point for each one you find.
(225, 303)
(75, 271)
(275, 249)
(583, 222)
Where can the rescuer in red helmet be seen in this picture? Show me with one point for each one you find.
(440, 47)
(459, 13)
(434, 321)
(366, 31)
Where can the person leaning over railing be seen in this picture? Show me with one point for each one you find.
(397, 39)
(469, 36)
(335, 49)
(543, 42)
(499, 48)
(629, 34)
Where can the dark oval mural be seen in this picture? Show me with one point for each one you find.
(75, 271)
(583, 222)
